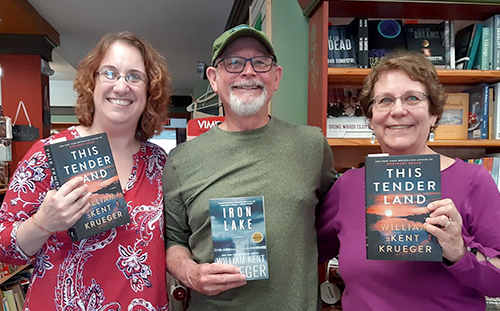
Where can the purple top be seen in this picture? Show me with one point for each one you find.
(405, 285)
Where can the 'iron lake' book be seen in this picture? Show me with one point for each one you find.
(239, 235)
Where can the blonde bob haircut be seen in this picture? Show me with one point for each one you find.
(418, 68)
(158, 87)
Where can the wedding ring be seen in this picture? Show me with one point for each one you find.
(448, 222)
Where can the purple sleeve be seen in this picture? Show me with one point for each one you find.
(481, 230)
(328, 243)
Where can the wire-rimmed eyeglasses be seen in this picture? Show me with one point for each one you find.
(133, 77)
(236, 64)
(387, 101)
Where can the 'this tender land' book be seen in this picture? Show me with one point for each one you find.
(239, 234)
(455, 119)
(398, 189)
(90, 157)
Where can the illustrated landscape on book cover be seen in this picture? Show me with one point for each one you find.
(239, 234)
(454, 122)
(398, 190)
(90, 157)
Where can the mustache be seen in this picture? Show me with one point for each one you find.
(251, 83)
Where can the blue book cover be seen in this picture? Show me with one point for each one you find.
(239, 235)
(478, 111)
(398, 190)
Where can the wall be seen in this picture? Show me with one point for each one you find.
(62, 93)
(290, 38)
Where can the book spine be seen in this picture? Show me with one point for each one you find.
(447, 43)
(55, 178)
(496, 111)
(484, 121)
(491, 111)
(452, 45)
(365, 39)
(485, 49)
(490, 24)
(475, 45)
(496, 48)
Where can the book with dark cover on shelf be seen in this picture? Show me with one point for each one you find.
(467, 42)
(427, 39)
(397, 192)
(384, 37)
(342, 46)
(345, 117)
(478, 111)
(239, 235)
(454, 120)
(90, 157)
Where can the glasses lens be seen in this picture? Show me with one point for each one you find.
(111, 75)
(134, 78)
(234, 64)
(262, 63)
(413, 98)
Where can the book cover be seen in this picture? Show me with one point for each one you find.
(90, 157)
(466, 45)
(397, 191)
(384, 36)
(239, 234)
(427, 39)
(478, 111)
(455, 118)
(341, 46)
(345, 117)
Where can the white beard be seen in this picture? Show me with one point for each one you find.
(247, 106)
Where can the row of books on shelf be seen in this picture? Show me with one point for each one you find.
(15, 288)
(472, 114)
(363, 42)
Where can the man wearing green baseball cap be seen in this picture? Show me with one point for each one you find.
(250, 154)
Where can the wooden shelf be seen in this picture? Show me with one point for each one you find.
(431, 9)
(6, 278)
(473, 143)
(447, 77)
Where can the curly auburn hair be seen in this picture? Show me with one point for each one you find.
(418, 68)
(159, 83)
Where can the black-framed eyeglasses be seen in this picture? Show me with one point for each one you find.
(132, 78)
(236, 64)
(387, 101)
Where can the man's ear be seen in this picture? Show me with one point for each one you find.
(277, 78)
(212, 77)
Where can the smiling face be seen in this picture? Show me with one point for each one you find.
(246, 93)
(402, 129)
(120, 104)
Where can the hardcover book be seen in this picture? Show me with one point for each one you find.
(398, 190)
(478, 111)
(384, 36)
(345, 116)
(239, 235)
(427, 39)
(342, 46)
(467, 45)
(90, 157)
(454, 121)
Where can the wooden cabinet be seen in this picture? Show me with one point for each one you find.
(351, 152)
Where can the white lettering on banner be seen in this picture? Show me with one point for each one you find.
(206, 124)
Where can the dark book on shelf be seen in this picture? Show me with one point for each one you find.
(384, 37)
(478, 111)
(90, 157)
(427, 39)
(398, 190)
(239, 235)
(467, 42)
(342, 46)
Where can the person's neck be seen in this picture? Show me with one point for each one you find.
(237, 123)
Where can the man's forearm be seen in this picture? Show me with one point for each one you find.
(179, 263)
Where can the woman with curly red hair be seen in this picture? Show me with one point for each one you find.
(123, 88)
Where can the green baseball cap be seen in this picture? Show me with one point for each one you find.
(239, 32)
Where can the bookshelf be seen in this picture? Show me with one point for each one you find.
(351, 152)
(7, 277)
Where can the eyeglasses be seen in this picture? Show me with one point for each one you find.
(236, 64)
(387, 101)
(132, 78)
